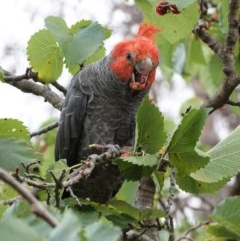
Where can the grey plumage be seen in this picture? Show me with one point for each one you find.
(98, 109)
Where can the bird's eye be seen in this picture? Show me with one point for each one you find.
(128, 56)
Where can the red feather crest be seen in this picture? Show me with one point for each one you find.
(148, 31)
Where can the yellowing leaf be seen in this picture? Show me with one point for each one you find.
(13, 128)
(45, 56)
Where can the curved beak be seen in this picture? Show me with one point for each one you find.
(140, 74)
(144, 67)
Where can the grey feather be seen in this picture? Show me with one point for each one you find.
(98, 109)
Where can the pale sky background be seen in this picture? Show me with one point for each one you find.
(19, 19)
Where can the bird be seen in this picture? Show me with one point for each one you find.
(100, 108)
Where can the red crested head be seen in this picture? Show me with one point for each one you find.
(135, 60)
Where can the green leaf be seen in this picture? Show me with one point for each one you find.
(124, 208)
(23, 211)
(136, 167)
(194, 54)
(13, 128)
(224, 160)
(227, 214)
(182, 4)
(146, 6)
(85, 23)
(58, 27)
(45, 56)
(159, 179)
(73, 68)
(86, 42)
(1, 75)
(181, 149)
(102, 231)
(175, 27)
(127, 192)
(15, 229)
(13, 152)
(191, 185)
(148, 160)
(213, 67)
(223, 15)
(68, 229)
(56, 168)
(221, 231)
(87, 216)
(150, 134)
(78, 43)
(150, 213)
(121, 220)
(7, 192)
(100, 53)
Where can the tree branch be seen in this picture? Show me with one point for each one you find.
(45, 129)
(203, 34)
(79, 173)
(36, 206)
(26, 84)
(199, 225)
(59, 87)
(225, 53)
(144, 199)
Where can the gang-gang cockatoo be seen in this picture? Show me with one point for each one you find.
(100, 108)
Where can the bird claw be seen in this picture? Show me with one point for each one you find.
(113, 149)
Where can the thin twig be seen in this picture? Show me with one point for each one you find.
(36, 206)
(37, 184)
(199, 225)
(79, 173)
(10, 201)
(203, 34)
(58, 183)
(134, 235)
(29, 74)
(34, 176)
(59, 87)
(233, 103)
(27, 166)
(45, 129)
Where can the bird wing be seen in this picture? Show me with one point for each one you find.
(71, 122)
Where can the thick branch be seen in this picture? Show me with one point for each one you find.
(37, 207)
(203, 34)
(225, 53)
(25, 84)
(233, 24)
(82, 172)
(144, 199)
